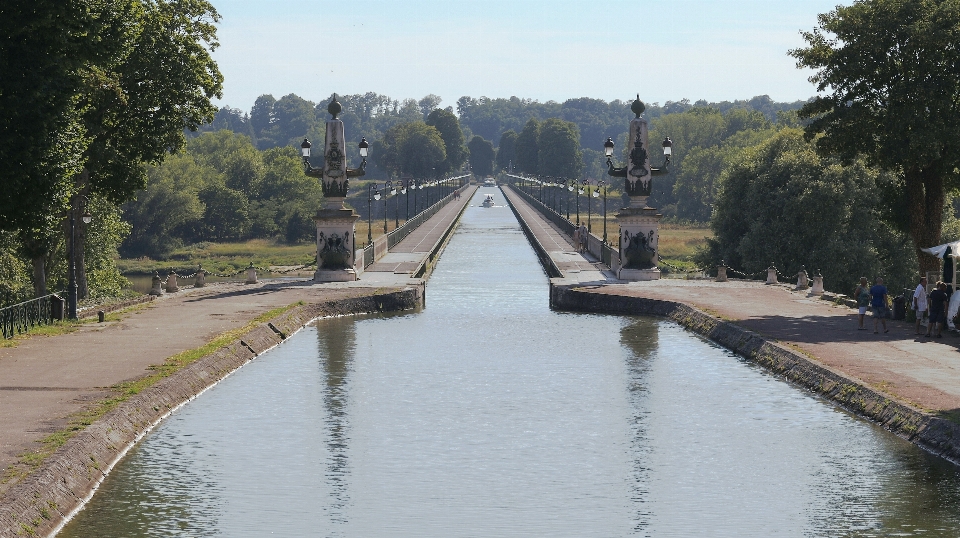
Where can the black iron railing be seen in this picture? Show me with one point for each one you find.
(395, 236)
(22, 317)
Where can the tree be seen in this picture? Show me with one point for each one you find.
(559, 149)
(293, 118)
(421, 150)
(449, 127)
(49, 51)
(428, 104)
(507, 151)
(781, 202)
(261, 119)
(527, 150)
(481, 156)
(891, 73)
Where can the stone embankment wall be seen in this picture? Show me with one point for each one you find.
(44, 500)
(930, 432)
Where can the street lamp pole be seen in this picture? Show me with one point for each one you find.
(388, 190)
(86, 218)
(579, 192)
(600, 184)
(373, 193)
(589, 206)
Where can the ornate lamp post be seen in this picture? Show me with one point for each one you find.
(407, 187)
(86, 218)
(570, 187)
(599, 185)
(373, 193)
(396, 206)
(639, 223)
(388, 190)
(336, 225)
(590, 195)
(579, 192)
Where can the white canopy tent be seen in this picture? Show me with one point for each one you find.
(949, 253)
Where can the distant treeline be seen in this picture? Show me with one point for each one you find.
(706, 131)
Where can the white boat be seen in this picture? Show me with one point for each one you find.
(488, 201)
(489, 182)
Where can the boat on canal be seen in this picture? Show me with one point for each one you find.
(488, 201)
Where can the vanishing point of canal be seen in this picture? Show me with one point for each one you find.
(489, 415)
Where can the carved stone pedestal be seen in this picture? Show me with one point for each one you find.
(639, 237)
(336, 227)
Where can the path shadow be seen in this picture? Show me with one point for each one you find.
(827, 329)
(264, 289)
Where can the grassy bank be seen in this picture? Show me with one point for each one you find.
(223, 257)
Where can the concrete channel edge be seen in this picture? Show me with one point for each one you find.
(46, 499)
(546, 262)
(930, 432)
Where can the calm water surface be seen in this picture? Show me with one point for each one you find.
(486, 414)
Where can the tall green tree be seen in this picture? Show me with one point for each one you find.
(890, 74)
(481, 156)
(447, 124)
(49, 51)
(559, 151)
(421, 151)
(507, 150)
(136, 112)
(527, 148)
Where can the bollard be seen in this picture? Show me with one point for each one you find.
(155, 288)
(817, 284)
(199, 282)
(251, 274)
(802, 278)
(722, 272)
(771, 274)
(100, 316)
(172, 282)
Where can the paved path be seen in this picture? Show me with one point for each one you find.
(406, 257)
(46, 379)
(576, 267)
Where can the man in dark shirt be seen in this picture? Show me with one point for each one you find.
(878, 301)
(938, 309)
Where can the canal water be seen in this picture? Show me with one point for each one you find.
(488, 415)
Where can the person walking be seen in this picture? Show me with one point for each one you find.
(938, 309)
(878, 302)
(862, 296)
(576, 238)
(920, 302)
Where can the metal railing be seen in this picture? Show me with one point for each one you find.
(368, 255)
(608, 254)
(565, 225)
(22, 317)
(401, 233)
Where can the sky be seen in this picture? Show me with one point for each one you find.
(535, 49)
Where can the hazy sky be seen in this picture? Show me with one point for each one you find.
(538, 49)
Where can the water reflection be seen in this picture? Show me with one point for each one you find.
(487, 414)
(336, 344)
